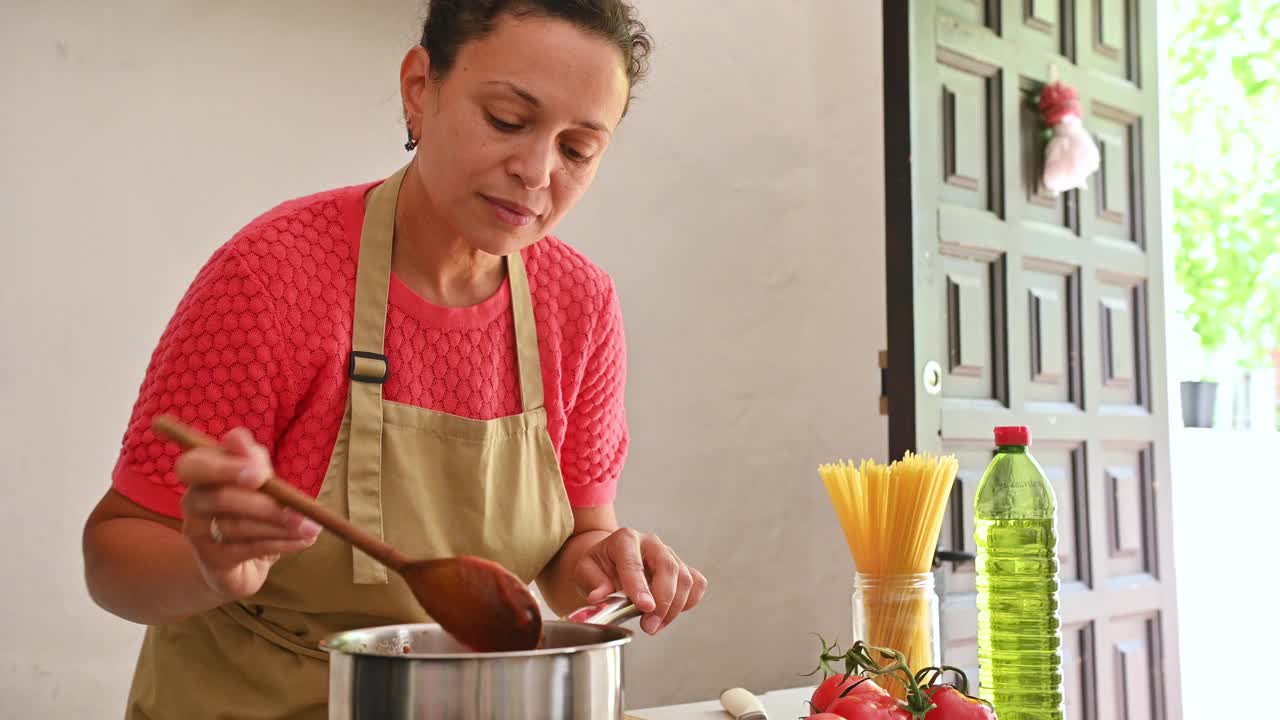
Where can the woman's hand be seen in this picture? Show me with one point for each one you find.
(647, 571)
(238, 532)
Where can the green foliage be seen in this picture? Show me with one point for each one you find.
(1225, 104)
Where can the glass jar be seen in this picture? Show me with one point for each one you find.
(898, 612)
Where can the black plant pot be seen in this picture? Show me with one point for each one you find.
(1198, 400)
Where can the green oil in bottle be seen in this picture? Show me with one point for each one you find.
(1019, 626)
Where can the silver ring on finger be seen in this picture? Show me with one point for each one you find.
(215, 532)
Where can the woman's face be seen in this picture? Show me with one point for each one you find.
(512, 136)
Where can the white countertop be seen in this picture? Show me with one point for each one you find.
(779, 704)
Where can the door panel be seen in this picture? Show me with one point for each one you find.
(1038, 310)
(1118, 134)
(1078, 671)
(1064, 466)
(1053, 306)
(975, 320)
(1122, 319)
(1130, 509)
(971, 142)
(976, 12)
(1046, 26)
(1109, 36)
(1135, 646)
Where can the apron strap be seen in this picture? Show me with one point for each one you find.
(368, 367)
(526, 330)
(368, 370)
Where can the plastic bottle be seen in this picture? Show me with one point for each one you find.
(1019, 626)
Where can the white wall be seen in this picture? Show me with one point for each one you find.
(740, 213)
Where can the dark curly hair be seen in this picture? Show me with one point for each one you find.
(451, 24)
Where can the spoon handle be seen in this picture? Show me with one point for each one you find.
(188, 437)
(613, 610)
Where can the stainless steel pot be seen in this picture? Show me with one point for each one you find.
(419, 672)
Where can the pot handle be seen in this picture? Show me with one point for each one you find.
(613, 610)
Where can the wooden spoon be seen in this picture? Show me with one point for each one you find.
(478, 601)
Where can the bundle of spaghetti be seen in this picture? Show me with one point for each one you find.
(891, 516)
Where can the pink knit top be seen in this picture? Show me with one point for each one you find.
(262, 336)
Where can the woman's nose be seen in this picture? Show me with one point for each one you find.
(533, 164)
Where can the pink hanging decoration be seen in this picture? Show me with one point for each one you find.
(1071, 156)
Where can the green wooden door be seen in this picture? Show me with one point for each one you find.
(1008, 306)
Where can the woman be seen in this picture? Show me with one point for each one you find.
(416, 353)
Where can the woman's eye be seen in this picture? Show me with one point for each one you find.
(502, 125)
(574, 155)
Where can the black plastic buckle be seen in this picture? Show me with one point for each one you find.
(351, 367)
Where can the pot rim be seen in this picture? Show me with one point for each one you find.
(330, 644)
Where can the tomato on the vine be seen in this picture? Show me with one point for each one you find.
(955, 705)
(838, 686)
(862, 707)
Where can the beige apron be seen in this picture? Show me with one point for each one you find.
(430, 483)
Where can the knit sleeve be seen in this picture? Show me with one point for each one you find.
(596, 436)
(216, 367)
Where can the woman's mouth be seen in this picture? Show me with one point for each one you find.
(513, 214)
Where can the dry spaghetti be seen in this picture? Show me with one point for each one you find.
(891, 516)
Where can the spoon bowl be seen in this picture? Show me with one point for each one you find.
(479, 602)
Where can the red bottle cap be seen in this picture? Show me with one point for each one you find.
(1016, 435)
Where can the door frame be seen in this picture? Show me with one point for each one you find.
(899, 223)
